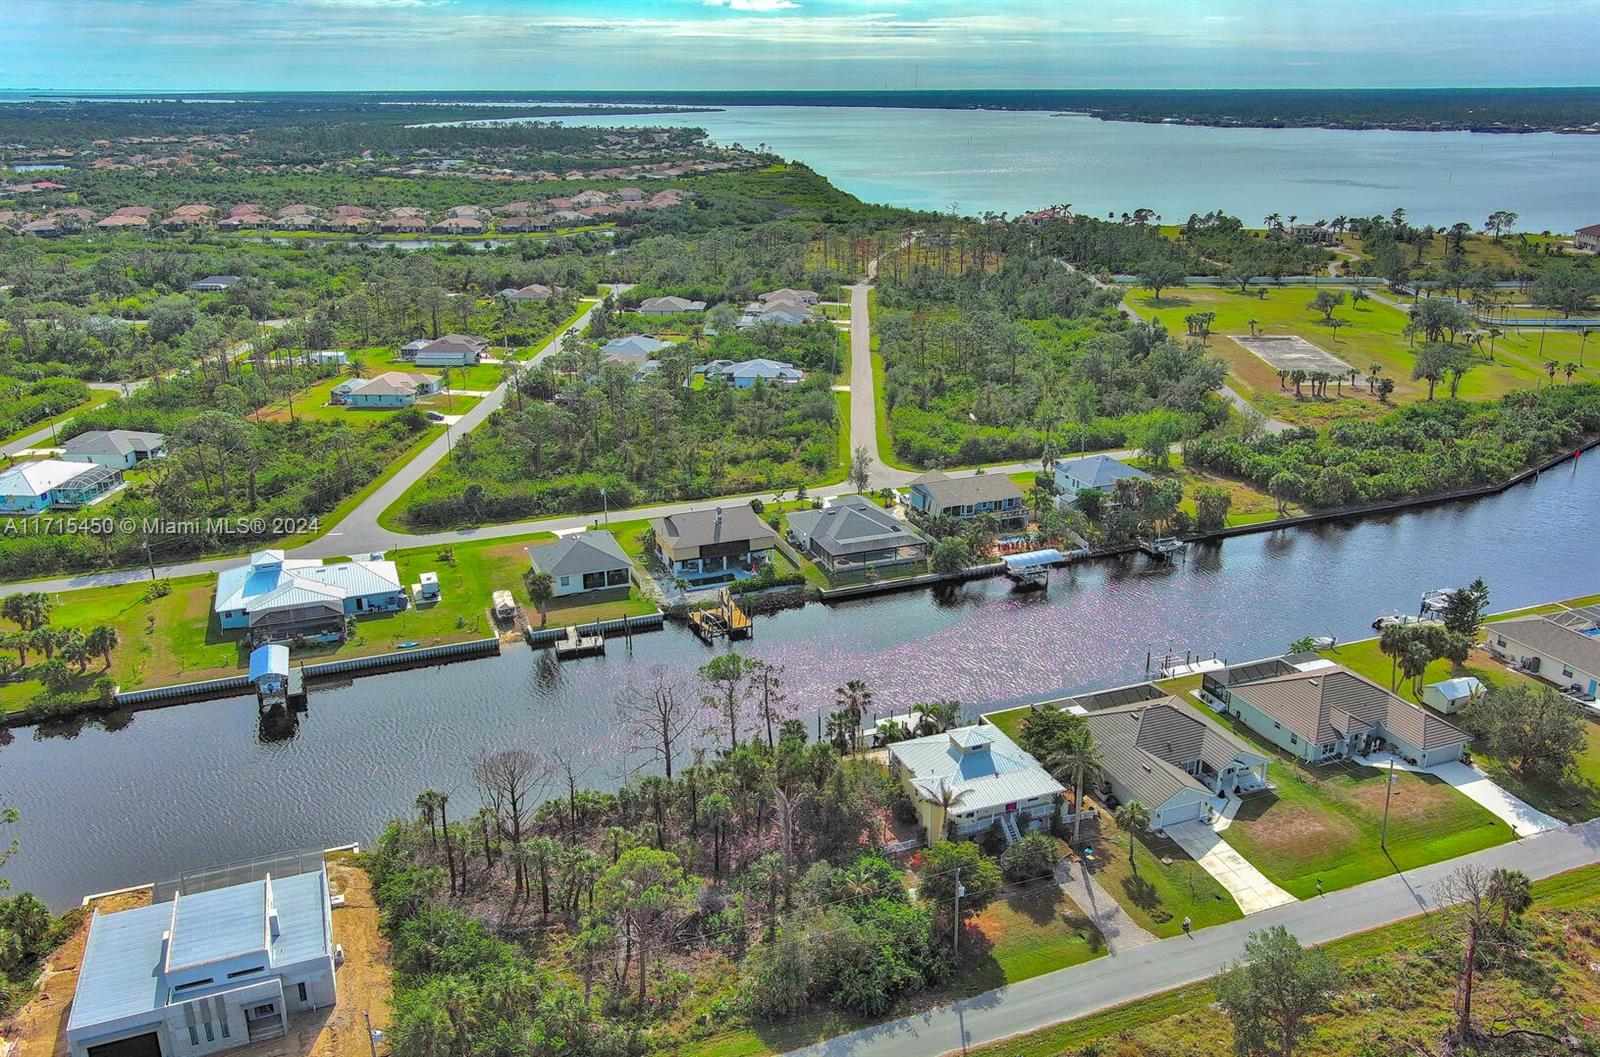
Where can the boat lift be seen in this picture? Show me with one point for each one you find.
(1031, 569)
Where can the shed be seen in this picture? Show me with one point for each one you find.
(1451, 695)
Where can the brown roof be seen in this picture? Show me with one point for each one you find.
(1330, 702)
(1592, 229)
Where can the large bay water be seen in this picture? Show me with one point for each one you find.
(1010, 161)
(180, 788)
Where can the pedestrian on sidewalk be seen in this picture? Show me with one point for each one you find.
(1319, 888)
(1187, 924)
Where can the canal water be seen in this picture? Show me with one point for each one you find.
(184, 787)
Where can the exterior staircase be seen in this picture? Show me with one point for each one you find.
(1008, 826)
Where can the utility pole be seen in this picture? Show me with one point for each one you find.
(372, 1036)
(605, 507)
(145, 543)
(1387, 793)
(955, 929)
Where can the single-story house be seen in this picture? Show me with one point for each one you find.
(583, 562)
(938, 494)
(122, 220)
(1099, 472)
(808, 297)
(403, 225)
(334, 357)
(1587, 239)
(458, 225)
(119, 449)
(274, 596)
(970, 779)
(636, 351)
(780, 313)
(451, 350)
(854, 533)
(1171, 759)
(1322, 712)
(205, 971)
(1452, 695)
(669, 306)
(746, 373)
(534, 292)
(390, 389)
(714, 544)
(213, 284)
(47, 484)
(1563, 648)
(44, 228)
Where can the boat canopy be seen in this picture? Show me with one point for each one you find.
(1034, 559)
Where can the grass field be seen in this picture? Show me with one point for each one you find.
(1395, 987)
(1373, 333)
(1575, 799)
(96, 398)
(174, 638)
(1325, 822)
(1162, 892)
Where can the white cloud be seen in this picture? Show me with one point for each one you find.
(753, 5)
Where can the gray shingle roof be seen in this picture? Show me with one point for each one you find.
(853, 524)
(1145, 746)
(699, 528)
(961, 491)
(584, 552)
(1548, 637)
(120, 442)
(1325, 703)
(1098, 471)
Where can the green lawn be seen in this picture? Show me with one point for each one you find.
(1373, 333)
(1160, 894)
(315, 403)
(1576, 799)
(1325, 822)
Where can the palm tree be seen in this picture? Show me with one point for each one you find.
(74, 648)
(1583, 339)
(1131, 816)
(1512, 890)
(541, 590)
(1078, 758)
(855, 700)
(427, 804)
(1569, 369)
(102, 639)
(356, 368)
(946, 798)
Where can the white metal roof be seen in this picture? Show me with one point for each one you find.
(981, 765)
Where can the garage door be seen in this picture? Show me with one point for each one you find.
(136, 1046)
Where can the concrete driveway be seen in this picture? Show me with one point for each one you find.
(1248, 886)
(1524, 819)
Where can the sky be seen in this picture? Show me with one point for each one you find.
(278, 45)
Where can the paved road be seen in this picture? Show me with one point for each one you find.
(1155, 967)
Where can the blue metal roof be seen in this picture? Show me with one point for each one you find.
(222, 923)
(271, 659)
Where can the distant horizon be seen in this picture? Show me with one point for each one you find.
(789, 45)
(168, 90)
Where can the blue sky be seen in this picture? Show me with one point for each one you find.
(795, 44)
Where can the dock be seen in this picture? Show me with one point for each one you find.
(1161, 549)
(724, 620)
(573, 645)
(1031, 570)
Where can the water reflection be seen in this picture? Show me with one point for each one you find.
(122, 800)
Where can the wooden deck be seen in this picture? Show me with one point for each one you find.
(725, 619)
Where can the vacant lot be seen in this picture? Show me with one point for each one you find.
(1290, 352)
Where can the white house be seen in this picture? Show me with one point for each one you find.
(452, 350)
(669, 306)
(1451, 695)
(117, 449)
(213, 284)
(583, 562)
(388, 390)
(1563, 648)
(1587, 239)
(746, 373)
(274, 596)
(970, 779)
(1326, 712)
(205, 971)
(1099, 472)
(46, 484)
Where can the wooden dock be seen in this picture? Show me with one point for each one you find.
(725, 619)
(573, 645)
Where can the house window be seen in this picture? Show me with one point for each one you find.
(302, 988)
(1500, 640)
(1293, 739)
(565, 580)
(1566, 670)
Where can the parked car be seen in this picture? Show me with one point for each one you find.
(434, 416)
